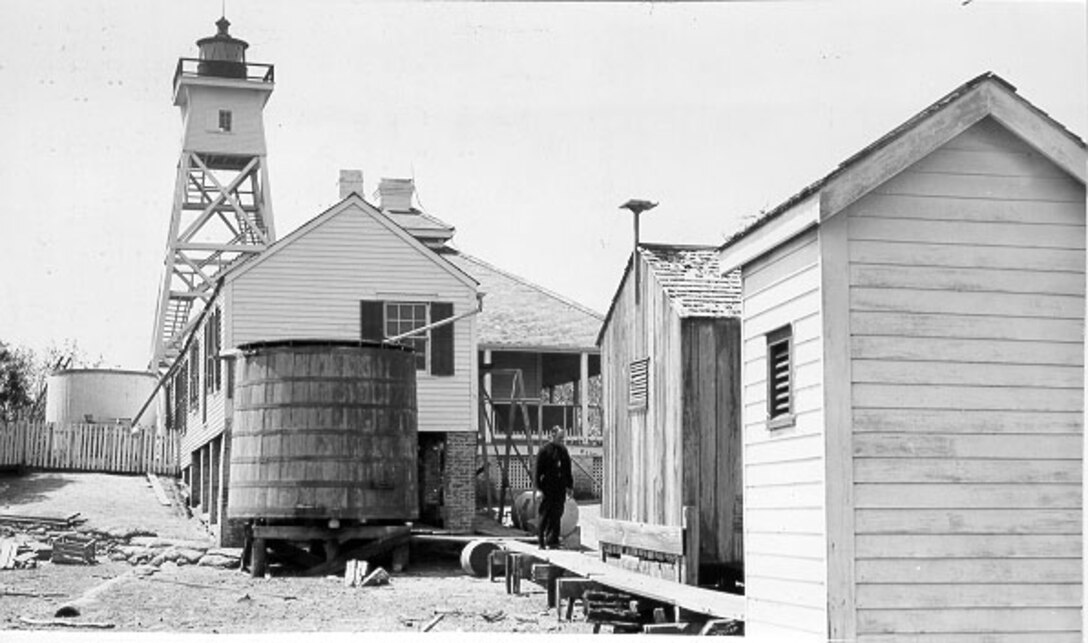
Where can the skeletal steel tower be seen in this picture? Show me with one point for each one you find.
(222, 213)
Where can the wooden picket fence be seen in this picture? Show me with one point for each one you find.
(106, 448)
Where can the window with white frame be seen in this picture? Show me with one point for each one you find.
(401, 317)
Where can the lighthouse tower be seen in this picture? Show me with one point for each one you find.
(222, 212)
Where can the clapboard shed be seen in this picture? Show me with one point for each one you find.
(913, 348)
(670, 360)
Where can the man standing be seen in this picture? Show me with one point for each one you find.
(554, 480)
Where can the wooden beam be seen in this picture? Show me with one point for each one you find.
(223, 247)
(663, 538)
(292, 532)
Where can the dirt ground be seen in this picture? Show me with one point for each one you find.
(206, 600)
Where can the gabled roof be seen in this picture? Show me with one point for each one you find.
(518, 314)
(352, 200)
(987, 95)
(690, 276)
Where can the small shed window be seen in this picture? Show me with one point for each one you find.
(638, 384)
(780, 376)
(225, 120)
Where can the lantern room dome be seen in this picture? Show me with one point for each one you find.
(222, 54)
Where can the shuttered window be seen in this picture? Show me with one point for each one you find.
(780, 376)
(638, 385)
(213, 375)
(194, 373)
(434, 349)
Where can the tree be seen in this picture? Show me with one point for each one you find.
(17, 379)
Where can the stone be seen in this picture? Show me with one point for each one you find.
(186, 556)
(220, 562)
(118, 556)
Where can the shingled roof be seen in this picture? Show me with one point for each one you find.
(520, 314)
(690, 277)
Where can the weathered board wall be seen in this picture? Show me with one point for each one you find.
(642, 468)
(967, 319)
(711, 457)
(683, 448)
(785, 537)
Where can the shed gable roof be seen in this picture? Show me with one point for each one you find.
(520, 314)
(691, 278)
(987, 95)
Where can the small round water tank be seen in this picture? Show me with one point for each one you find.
(100, 395)
(324, 430)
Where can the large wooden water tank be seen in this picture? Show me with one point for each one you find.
(324, 430)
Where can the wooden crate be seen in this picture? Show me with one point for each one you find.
(73, 551)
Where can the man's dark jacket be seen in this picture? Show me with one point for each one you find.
(553, 475)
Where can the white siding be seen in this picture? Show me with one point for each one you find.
(784, 520)
(967, 316)
(311, 288)
(199, 431)
(202, 119)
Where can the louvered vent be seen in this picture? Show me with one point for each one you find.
(638, 384)
(779, 373)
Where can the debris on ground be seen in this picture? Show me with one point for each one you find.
(377, 577)
(64, 623)
(434, 621)
(355, 571)
(74, 550)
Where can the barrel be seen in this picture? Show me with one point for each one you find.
(324, 430)
(526, 513)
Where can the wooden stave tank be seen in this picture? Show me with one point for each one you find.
(324, 430)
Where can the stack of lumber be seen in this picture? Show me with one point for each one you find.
(621, 611)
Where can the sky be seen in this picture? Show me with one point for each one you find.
(524, 125)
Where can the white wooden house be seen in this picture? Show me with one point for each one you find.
(913, 355)
(350, 273)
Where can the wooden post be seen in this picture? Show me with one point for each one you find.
(258, 561)
(691, 545)
(583, 393)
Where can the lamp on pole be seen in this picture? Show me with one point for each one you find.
(637, 207)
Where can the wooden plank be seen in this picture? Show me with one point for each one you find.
(953, 373)
(973, 233)
(968, 521)
(892, 252)
(976, 496)
(960, 421)
(782, 263)
(1058, 146)
(988, 162)
(977, 570)
(156, 486)
(1002, 637)
(885, 470)
(785, 449)
(957, 397)
(966, 350)
(939, 596)
(985, 187)
(795, 287)
(809, 546)
(794, 496)
(778, 473)
(798, 617)
(921, 445)
(663, 538)
(805, 520)
(967, 546)
(786, 567)
(966, 279)
(792, 592)
(973, 620)
(967, 303)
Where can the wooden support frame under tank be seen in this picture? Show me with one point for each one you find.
(379, 540)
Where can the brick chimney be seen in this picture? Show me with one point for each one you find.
(351, 181)
(396, 194)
